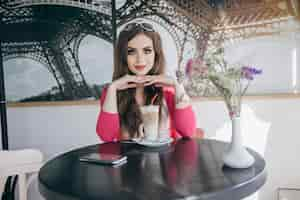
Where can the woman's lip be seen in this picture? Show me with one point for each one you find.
(139, 67)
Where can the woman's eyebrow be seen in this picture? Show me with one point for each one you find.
(146, 47)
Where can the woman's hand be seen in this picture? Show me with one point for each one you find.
(127, 81)
(159, 80)
(181, 98)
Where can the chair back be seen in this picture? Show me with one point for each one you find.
(20, 163)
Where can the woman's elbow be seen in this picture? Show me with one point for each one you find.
(186, 123)
(187, 131)
(103, 135)
(107, 127)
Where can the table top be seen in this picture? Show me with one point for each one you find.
(186, 169)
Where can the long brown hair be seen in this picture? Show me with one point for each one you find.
(128, 108)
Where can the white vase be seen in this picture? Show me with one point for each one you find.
(237, 155)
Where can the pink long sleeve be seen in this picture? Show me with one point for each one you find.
(183, 121)
(108, 124)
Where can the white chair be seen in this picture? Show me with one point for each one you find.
(22, 163)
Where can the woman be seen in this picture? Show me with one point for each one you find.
(138, 78)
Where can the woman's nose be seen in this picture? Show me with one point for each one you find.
(140, 58)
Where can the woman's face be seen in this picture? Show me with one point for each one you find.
(141, 55)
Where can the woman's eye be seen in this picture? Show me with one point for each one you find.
(148, 51)
(130, 51)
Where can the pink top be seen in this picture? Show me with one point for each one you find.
(182, 121)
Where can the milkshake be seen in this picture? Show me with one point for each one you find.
(150, 120)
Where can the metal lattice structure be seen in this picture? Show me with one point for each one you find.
(245, 19)
(50, 32)
(53, 29)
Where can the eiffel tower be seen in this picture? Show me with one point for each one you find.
(50, 33)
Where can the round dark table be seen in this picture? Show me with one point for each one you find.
(186, 169)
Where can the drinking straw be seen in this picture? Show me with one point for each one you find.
(153, 99)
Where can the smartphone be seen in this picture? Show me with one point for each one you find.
(103, 158)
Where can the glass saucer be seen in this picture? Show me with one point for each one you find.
(154, 143)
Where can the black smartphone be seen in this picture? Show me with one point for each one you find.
(103, 158)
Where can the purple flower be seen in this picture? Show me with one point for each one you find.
(249, 72)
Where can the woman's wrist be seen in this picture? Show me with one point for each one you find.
(180, 95)
(110, 103)
(179, 89)
(112, 87)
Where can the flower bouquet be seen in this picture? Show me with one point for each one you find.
(231, 82)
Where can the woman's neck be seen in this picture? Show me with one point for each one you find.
(139, 95)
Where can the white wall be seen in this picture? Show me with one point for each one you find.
(270, 127)
(278, 57)
(52, 129)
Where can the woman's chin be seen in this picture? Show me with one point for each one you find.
(140, 73)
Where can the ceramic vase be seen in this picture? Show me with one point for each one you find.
(237, 156)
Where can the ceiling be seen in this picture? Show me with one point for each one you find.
(255, 17)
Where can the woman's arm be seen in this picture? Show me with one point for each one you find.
(110, 102)
(185, 121)
(108, 123)
(182, 115)
(182, 100)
